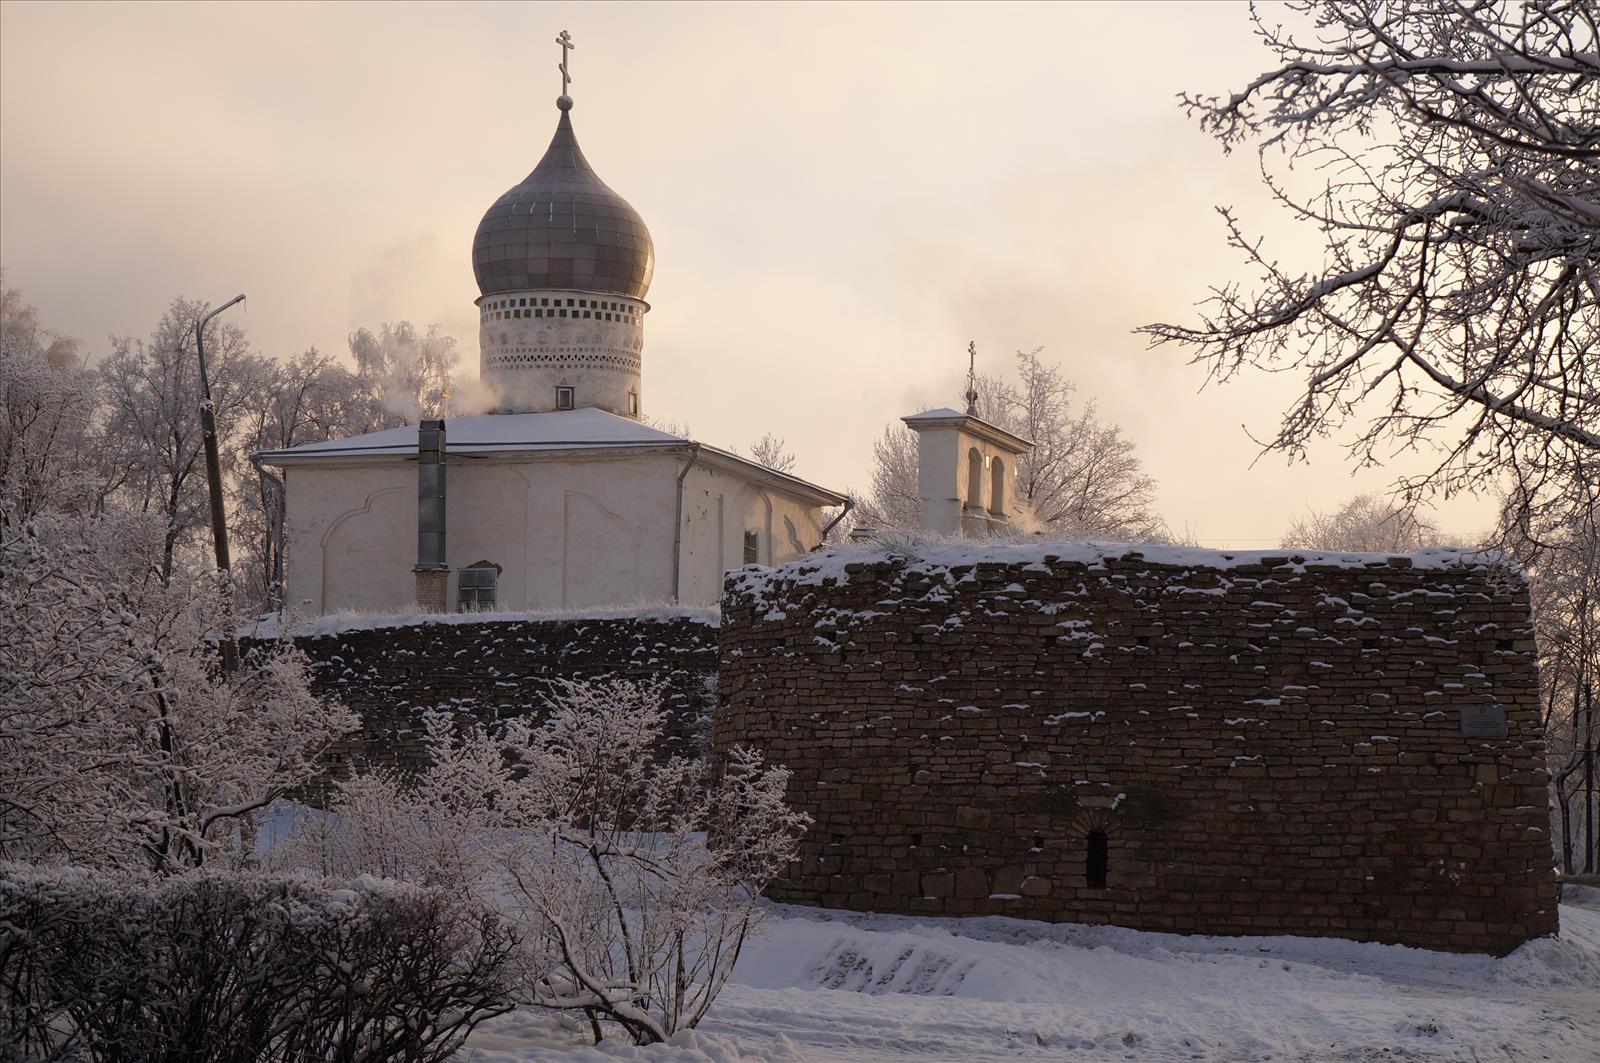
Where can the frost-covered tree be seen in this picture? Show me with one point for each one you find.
(1082, 479)
(1365, 524)
(1454, 148)
(893, 501)
(151, 390)
(772, 452)
(405, 375)
(644, 874)
(1562, 559)
(1083, 476)
(49, 450)
(306, 399)
(121, 740)
(633, 876)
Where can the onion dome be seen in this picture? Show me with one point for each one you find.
(563, 228)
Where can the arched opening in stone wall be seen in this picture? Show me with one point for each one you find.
(974, 479)
(1097, 860)
(997, 489)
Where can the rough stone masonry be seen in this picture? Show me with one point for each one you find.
(487, 669)
(1181, 740)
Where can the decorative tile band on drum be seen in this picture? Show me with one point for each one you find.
(593, 347)
(519, 359)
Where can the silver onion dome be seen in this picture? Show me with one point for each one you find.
(562, 227)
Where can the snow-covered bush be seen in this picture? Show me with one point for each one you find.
(632, 877)
(121, 739)
(231, 966)
(438, 827)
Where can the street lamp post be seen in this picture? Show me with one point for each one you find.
(208, 431)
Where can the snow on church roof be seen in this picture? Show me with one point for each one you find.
(495, 432)
(507, 433)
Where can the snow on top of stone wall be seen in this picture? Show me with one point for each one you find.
(348, 620)
(929, 554)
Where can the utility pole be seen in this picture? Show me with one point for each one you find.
(1590, 846)
(208, 431)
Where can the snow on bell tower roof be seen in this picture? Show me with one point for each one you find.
(945, 417)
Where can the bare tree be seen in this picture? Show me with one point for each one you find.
(1460, 211)
(1365, 524)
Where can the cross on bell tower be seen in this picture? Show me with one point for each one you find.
(972, 379)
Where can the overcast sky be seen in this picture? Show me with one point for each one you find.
(840, 196)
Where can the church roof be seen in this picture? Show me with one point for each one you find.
(585, 429)
(562, 227)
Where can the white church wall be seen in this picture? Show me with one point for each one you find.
(602, 530)
(345, 525)
(941, 479)
(565, 531)
(720, 506)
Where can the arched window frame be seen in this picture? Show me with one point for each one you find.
(997, 487)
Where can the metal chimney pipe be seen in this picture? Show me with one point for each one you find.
(433, 574)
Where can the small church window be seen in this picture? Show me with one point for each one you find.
(522, 302)
(974, 478)
(476, 586)
(572, 302)
(1097, 860)
(564, 398)
(752, 548)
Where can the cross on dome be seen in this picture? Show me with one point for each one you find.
(565, 40)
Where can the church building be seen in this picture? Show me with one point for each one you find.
(560, 496)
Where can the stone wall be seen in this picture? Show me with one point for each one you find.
(1346, 746)
(492, 669)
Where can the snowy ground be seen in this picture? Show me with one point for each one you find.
(828, 987)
